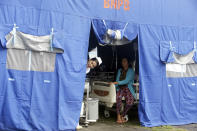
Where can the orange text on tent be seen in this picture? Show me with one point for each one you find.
(117, 4)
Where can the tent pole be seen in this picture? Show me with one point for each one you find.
(116, 58)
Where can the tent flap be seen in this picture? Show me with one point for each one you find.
(41, 89)
(114, 32)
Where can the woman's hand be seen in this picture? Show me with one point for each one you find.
(115, 83)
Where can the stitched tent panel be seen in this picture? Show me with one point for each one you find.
(163, 100)
(34, 100)
(127, 31)
(37, 100)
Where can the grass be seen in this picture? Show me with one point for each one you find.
(164, 128)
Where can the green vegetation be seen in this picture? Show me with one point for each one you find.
(164, 128)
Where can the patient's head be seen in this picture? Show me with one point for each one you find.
(92, 63)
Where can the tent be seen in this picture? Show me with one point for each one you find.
(43, 57)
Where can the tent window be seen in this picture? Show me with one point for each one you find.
(30, 60)
(179, 57)
(183, 66)
(30, 53)
(178, 70)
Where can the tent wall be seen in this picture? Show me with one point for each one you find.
(28, 103)
(159, 12)
(33, 100)
(164, 101)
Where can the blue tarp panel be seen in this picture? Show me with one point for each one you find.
(165, 101)
(127, 30)
(27, 102)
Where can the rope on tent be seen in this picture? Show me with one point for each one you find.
(171, 47)
(124, 28)
(51, 38)
(195, 46)
(14, 34)
(104, 24)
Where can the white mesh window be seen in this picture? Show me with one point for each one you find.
(184, 59)
(184, 66)
(30, 53)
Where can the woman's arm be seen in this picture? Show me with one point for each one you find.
(117, 78)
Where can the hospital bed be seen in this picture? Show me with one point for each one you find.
(106, 93)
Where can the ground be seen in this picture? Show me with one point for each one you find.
(109, 124)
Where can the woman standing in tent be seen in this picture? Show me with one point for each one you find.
(124, 87)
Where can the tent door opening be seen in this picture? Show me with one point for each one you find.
(100, 77)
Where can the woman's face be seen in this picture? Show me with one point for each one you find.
(92, 64)
(125, 63)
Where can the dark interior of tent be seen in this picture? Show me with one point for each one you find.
(112, 55)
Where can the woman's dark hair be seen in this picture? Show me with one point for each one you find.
(126, 59)
(97, 63)
(130, 63)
